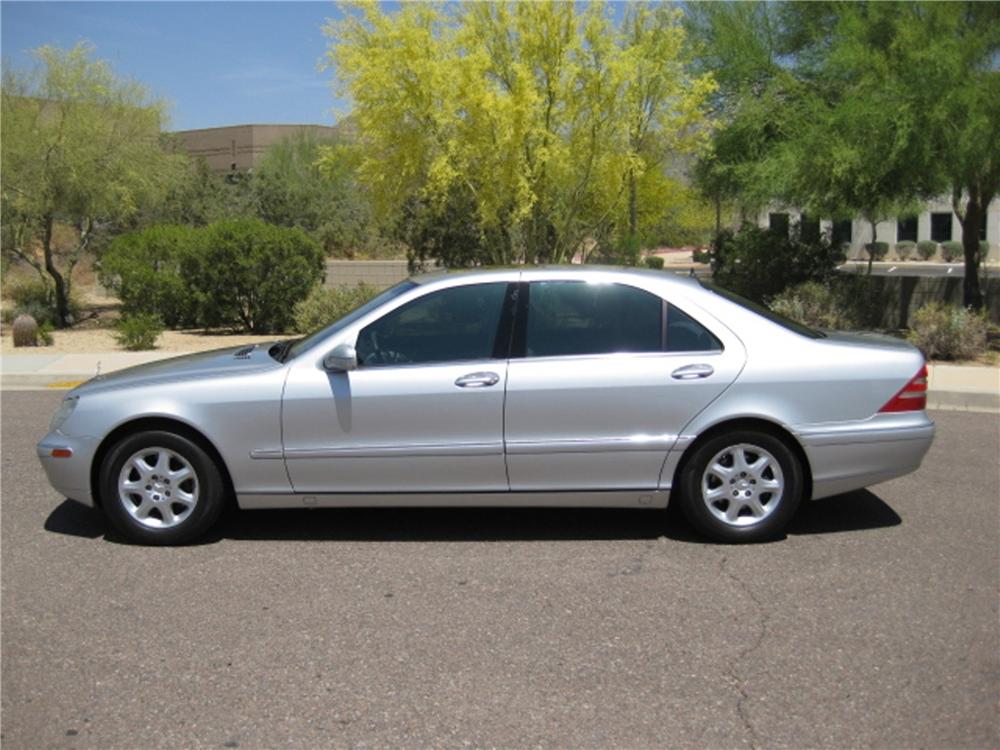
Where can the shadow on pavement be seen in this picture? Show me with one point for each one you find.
(854, 511)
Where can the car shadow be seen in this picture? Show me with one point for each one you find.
(854, 511)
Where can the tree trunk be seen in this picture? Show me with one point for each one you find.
(62, 292)
(633, 206)
(972, 295)
(871, 250)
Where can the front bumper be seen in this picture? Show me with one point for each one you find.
(851, 456)
(69, 476)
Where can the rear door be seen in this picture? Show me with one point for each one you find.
(608, 375)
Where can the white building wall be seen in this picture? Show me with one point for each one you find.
(861, 231)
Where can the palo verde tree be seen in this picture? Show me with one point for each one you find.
(80, 150)
(546, 121)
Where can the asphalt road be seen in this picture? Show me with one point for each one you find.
(874, 623)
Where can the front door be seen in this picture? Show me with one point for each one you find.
(422, 413)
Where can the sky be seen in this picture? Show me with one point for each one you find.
(215, 63)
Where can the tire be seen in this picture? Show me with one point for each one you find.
(730, 496)
(161, 488)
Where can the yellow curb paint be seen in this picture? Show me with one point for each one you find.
(65, 384)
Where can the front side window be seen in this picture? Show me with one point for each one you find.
(450, 325)
(577, 317)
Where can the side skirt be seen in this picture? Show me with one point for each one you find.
(563, 499)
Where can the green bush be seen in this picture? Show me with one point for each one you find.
(250, 274)
(877, 250)
(654, 261)
(759, 264)
(245, 273)
(143, 270)
(944, 331)
(45, 337)
(984, 250)
(905, 249)
(926, 249)
(951, 250)
(701, 256)
(323, 306)
(138, 332)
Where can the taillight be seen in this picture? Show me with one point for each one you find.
(913, 396)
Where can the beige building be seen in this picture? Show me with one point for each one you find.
(241, 147)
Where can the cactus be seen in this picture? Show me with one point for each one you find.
(25, 331)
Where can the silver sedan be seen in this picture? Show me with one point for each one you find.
(566, 386)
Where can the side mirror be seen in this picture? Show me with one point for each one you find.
(343, 358)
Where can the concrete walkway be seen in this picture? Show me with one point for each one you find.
(955, 387)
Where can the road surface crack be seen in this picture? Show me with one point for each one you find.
(733, 668)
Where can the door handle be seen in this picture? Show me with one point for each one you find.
(478, 380)
(692, 372)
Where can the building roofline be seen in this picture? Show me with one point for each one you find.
(257, 125)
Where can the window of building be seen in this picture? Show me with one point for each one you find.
(941, 226)
(447, 326)
(576, 317)
(809, 228)
(778, 223)
(842, 232)
(906, 229)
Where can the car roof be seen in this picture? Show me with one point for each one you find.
(528, 272)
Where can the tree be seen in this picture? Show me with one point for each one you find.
(293, 190)
(80, 147)
(543, 118)
(870, 107)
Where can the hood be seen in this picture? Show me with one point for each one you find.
(216, 363)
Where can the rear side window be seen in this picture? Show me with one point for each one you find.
(577, 317)
(451, 325)
(685, 334)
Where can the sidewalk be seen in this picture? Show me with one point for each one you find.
(954, 387)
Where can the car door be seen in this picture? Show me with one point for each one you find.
(606, 377)
(423, 411)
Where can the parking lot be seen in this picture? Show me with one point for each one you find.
(874, 623)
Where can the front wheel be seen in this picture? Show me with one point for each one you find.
(743, 486)
(158, 487)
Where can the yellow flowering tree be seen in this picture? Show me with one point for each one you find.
(548, 123)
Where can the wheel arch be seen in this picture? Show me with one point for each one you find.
(767, 426)
(166, 424)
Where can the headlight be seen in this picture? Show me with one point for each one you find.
(68, 405)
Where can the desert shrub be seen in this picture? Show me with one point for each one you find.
(138, 332)
(877, 250)
(323, 306)
(760, 264)
(45, 337)
(951, 250)
(926, 249)
(653, 261)
(143, 270)
(34, 297)
(905, 249)
(250, 274)
(813, 304)
(943, 331)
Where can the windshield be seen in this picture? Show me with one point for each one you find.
(312, 339)
(764, 312)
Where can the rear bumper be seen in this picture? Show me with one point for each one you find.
(69, 476)
(850, 456)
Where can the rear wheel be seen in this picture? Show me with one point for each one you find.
(158, 487)
(743, 486)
